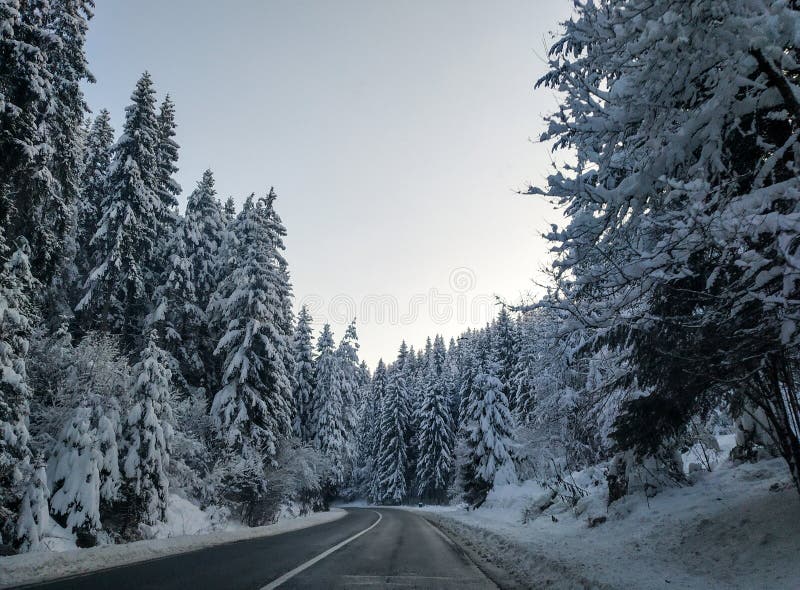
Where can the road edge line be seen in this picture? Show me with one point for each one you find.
(314, 560)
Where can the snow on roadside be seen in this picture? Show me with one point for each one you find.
(29, 568)
(737, 527)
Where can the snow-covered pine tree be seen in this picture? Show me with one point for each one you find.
(394, 427)
(188, 281)
(229, 210)
(505, 347)
(435, 437)
(350, 384)
(26, 85)
(176, 313)
(253, 409)
(204, 230)
(167, 188)
(33, 511)
(148, 433)
(98, 147)
(373, 414)
(116, 292)
(74, 470)
(328, 421)
(488, 427)
(15, 329)
(304, 383)
(66, 56)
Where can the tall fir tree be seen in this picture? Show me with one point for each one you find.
(435, 438)
(506, 351)
(188, 281)
(374, 413)
(328, 421)
(166, 187)
(70, 68)
(97, 156)
(395, 420)
(16, 324)
(26, 86)
(488, 428)
(253, 409)
(350, 384)
(117, 290)
(304, 382)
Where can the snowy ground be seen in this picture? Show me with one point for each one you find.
(737, 527)
(187, 529)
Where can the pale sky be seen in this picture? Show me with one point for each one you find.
(395, 134)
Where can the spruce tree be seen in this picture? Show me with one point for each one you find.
(148, 436)
(350, 384)
(204, 232)
(253, 408)
(16, 321)
(188, 281)
(488, 427)
(304, 382)
(374, 413)
(67, 61)
(330, 436)
(505, 347)
(435, 437)
(27, 184)
(166, 187)
(124, 248)
(96, 166)
(395, 420)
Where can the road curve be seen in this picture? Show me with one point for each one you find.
(402, 550)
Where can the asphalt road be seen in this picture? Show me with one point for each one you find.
(400, 550)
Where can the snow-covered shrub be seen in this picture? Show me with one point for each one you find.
(33, 510)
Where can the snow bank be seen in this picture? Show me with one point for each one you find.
(737, 527)
(30, 568)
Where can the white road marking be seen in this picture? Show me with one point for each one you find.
(304, 566)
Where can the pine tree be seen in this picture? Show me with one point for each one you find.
(124, 248)
(166, 187)
(96, 166)
(373, 416)
(148, 436)
(395, 420)
(67, 61)
(253, 408)
(506, 352)
(74, 470)
(188, 280)
(15, 330)
(435, 437)
(488, 430)
(229, 210)
(350, 383)
(304, 383)
(33, 512)
(330, 436)
(26, 87)
(204, 231)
